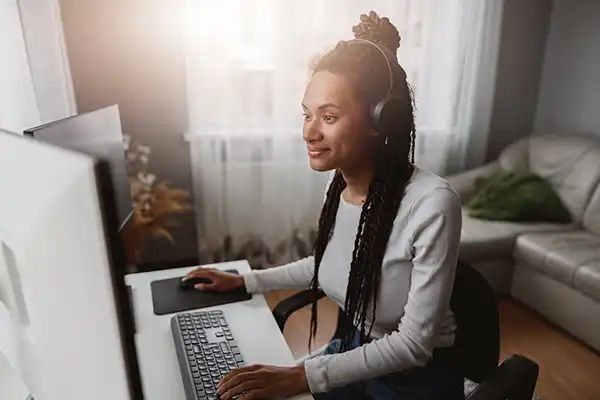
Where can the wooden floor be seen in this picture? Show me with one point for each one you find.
(568, 369)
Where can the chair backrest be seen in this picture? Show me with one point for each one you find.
(473, 303)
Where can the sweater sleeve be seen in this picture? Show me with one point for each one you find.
(436, 228)
(295, 275)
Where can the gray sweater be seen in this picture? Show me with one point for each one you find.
(413, 311)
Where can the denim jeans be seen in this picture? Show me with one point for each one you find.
(441, 378)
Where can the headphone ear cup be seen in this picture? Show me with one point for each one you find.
(387, 115)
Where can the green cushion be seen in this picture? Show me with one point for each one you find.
(517, 197)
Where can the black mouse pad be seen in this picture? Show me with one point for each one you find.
(169, 298)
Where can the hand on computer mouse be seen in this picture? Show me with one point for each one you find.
(210, 279)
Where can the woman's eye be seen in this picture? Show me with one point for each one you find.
(306, 116)
(329, 119)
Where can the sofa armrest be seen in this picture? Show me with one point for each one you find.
(464, 182)
(514, 379)
(288, 306)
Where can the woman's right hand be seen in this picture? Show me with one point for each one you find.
(220, 281)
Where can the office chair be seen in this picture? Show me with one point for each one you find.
(473, 303)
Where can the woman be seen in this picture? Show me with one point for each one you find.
(387, 242)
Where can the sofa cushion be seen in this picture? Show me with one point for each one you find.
(572, 258)
(483, 240)
(571, 164)
(591, 218)
(515, 157)
(587, 278)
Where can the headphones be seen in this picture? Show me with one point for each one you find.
(384, 113)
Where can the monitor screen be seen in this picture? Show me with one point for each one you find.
(64, 309)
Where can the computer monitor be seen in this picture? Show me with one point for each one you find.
(70, 331)
(97, 133)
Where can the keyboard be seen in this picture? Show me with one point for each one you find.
(206, 351)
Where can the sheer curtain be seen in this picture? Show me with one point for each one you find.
(247, 67)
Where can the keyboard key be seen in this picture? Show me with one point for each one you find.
(219, 334)
(239, 358)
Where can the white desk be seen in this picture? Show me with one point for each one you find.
(251, 322)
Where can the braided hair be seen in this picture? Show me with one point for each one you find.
(368, 76)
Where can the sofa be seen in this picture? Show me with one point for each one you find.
(552, 268)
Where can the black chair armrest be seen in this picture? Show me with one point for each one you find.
(514, 379)
(288, 306)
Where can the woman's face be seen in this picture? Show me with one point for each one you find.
(337, 128)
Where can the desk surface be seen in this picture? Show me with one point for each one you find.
(251, 322)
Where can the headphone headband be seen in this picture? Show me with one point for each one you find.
(387, 61)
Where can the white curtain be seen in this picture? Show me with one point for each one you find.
(247, 67)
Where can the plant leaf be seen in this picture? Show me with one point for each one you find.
(158, 232)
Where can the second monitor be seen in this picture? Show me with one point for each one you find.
(99, 134)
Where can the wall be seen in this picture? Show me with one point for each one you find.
(18, 108)
(48, 63)
(128, 52)
(569, 99)
(525, 28)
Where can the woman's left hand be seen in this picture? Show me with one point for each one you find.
(263, 381)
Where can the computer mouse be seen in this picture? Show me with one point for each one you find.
(189, 284)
